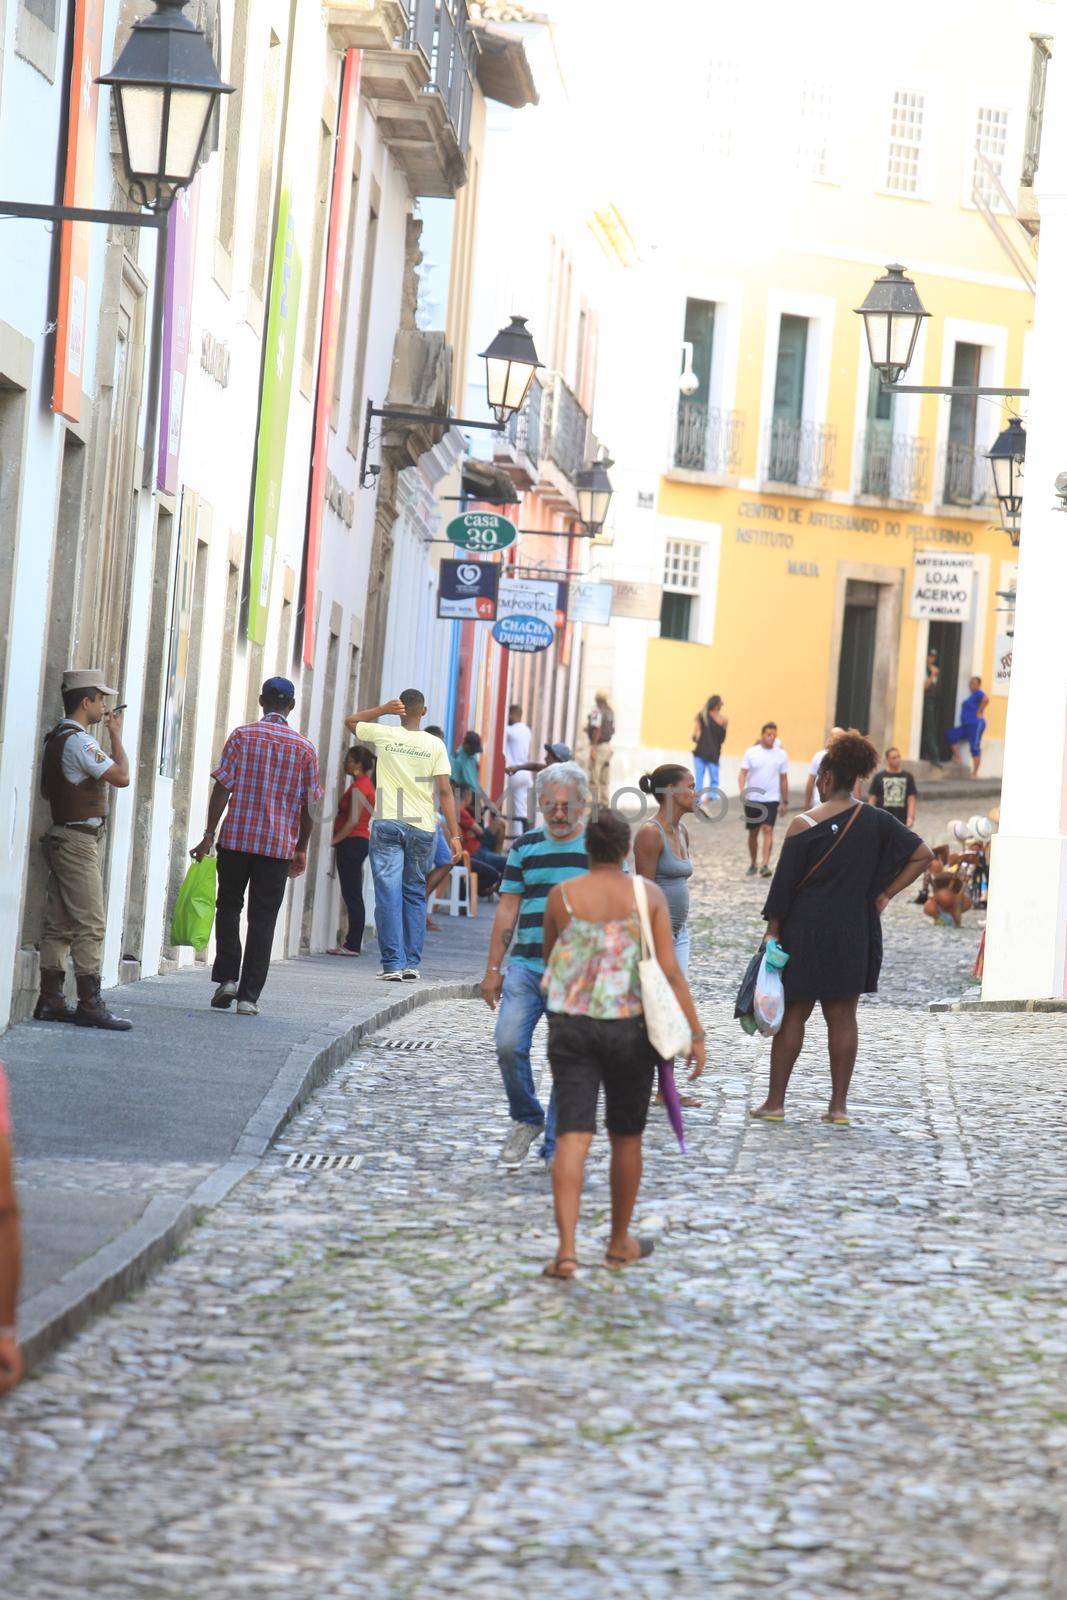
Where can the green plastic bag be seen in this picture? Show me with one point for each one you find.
(194, 909)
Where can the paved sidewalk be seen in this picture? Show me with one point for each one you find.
(122, 1139)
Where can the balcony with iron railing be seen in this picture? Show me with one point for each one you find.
(707, 439)
(564, 443)
(966, 478)
(566, 427)
(418, 78)
(895, 466)
(518, 448)
(799, 452)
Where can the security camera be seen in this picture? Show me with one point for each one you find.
(1061, 491)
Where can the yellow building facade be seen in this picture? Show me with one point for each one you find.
(815, 537)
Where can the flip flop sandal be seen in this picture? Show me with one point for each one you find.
(552, 1270)
(767, 1116)
(835, 1122)
(645, 1249)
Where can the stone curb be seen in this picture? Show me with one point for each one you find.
(1016, 1006)
(122, 1265)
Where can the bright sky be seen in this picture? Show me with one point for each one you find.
(684, 100)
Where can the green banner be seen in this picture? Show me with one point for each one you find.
(481, 530)
(278, 364)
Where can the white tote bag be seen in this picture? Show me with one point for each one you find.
(665, 1021)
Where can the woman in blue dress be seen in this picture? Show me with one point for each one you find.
(972, 726)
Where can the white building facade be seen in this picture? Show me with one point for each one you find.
(168, 575)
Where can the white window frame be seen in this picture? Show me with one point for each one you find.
(993, 339)
(924, 164)
(727, 299)
(812, 91)
(820, 311)
(687, 554)
(1011, 162)
(907, 408)
(722, 101)
(708, 536)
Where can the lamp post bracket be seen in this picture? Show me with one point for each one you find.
(949, 389)
(118, 219)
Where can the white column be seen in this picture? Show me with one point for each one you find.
(1025, 933)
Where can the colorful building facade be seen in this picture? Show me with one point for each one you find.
(798, 518)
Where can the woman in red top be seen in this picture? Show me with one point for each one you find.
(351, 840)
(487, 864)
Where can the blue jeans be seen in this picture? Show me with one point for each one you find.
(681, 949)
(399, 861)
(522, 1005)
(351, 854)
(707, 774)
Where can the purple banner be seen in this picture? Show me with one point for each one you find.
(177, 322)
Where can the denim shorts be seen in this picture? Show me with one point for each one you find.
(442, 850)
(587, 1052)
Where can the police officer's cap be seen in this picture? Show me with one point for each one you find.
(86, 678)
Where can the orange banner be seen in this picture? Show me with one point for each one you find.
(340, 201)
(77, 191)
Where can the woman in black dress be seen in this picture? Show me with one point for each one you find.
(840, 865)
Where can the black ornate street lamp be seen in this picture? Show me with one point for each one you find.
(166, 86)
(510, 363)
(1007, 459)
(892, 316)
(594, 494)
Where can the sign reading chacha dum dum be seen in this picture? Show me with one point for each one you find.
(527, 634)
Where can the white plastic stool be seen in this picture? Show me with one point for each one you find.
(462, 896)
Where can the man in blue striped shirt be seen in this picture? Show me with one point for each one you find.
(537, 861)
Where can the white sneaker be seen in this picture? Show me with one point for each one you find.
(391, 977)
(224, 996)
(409, 974)
(247, 1008)
(516, 1146)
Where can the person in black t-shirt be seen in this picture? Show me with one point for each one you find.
(894, 790)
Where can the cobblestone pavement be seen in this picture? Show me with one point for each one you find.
(841, 1373)
(922, 962)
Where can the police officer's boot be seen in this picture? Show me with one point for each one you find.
(92, 1012)
(51, 1002)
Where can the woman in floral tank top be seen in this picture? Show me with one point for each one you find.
(596, 1033)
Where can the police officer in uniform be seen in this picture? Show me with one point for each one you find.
(76, 779)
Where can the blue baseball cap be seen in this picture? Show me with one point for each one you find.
(280, 688)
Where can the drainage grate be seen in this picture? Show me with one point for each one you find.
(407, 1044)
(321, 1161)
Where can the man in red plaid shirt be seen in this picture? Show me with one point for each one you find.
(266, 781)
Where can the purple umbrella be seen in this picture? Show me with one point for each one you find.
(672, 1104)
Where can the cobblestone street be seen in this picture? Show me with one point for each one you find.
(841, 1373)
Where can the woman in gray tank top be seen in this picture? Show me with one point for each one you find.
(661, 852)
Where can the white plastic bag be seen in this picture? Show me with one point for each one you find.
(769, 1004)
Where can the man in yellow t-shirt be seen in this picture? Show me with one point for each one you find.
(412, 780)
